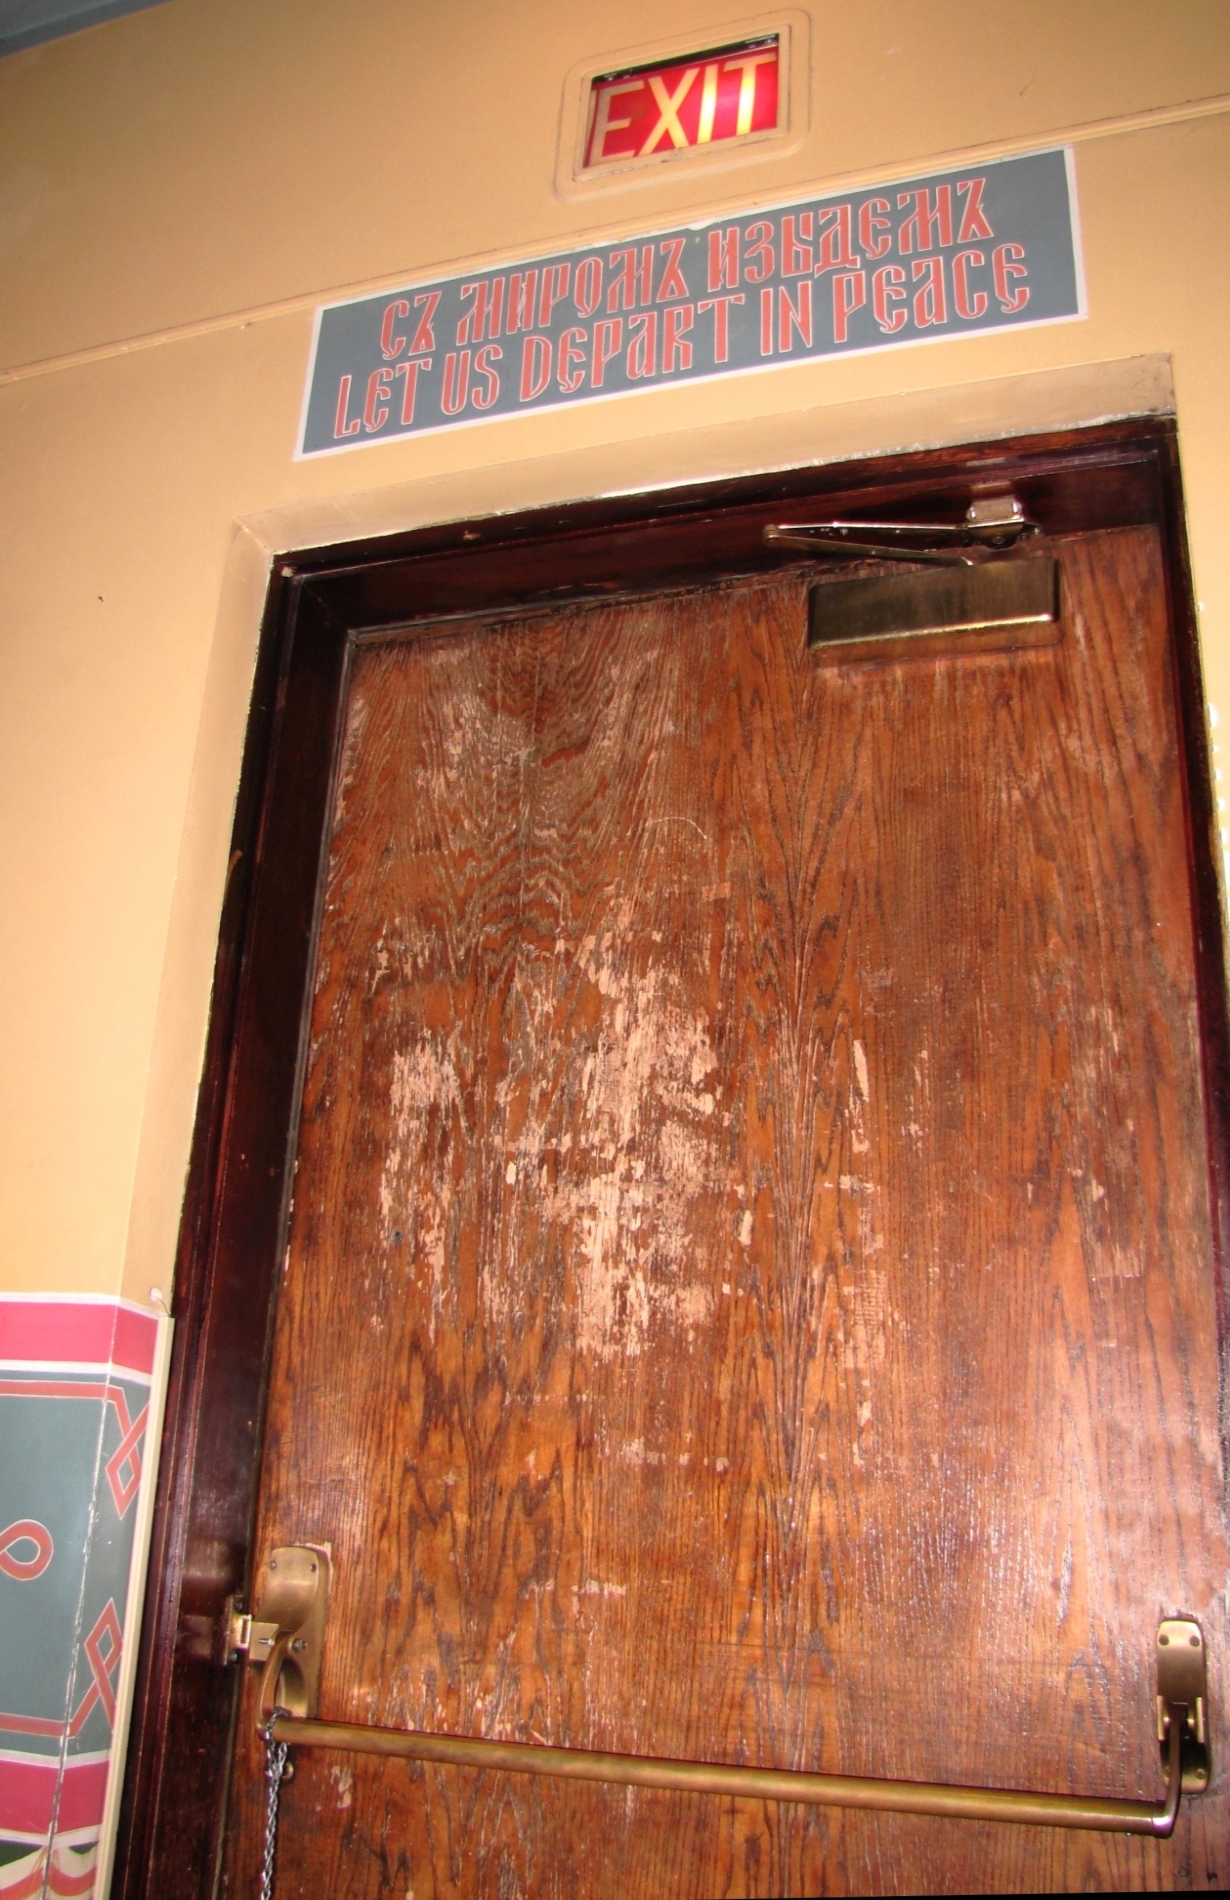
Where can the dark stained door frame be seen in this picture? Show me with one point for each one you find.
(320, 604)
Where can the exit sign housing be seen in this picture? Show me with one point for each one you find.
(728, 93)
(680, 105)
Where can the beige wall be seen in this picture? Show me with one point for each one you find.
(177, 189)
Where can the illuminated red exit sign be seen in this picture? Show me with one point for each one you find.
(709, 99)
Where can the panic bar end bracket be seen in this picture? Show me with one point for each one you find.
(1182, 1696)
(285, 1634)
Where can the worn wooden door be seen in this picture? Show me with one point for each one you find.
(749, 1289)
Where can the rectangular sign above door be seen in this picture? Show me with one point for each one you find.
(982, 247)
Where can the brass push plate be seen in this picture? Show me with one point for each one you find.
(992, 608)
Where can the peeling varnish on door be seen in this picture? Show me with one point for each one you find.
(636, 1164)
(424, 1088)
(352, 746)
(635, 1216)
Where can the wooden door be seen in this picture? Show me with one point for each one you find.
(749, 1292)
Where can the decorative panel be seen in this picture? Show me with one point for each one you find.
(76, 1377)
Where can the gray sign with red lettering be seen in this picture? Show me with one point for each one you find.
(984, 247)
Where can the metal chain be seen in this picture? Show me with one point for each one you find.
(275, 1773)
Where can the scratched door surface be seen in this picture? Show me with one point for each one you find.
(749, 1293)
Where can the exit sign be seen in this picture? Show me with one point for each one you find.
(730, 93)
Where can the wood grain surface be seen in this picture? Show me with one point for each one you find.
(749, 1293)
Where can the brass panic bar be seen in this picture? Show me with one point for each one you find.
(290, 1624)
(767, 1784)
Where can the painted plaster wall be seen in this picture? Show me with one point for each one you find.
(179, 188)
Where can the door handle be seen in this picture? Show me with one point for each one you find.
(286, 1713)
